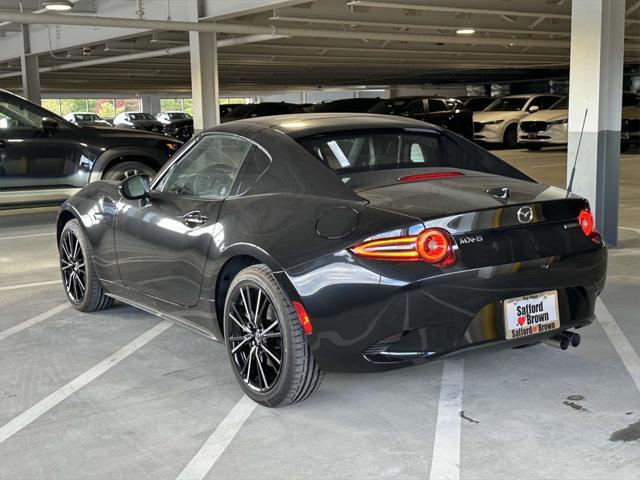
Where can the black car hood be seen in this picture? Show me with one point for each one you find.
(427, 199)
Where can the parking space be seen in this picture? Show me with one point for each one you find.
(529, 413)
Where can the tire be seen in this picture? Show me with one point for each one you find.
(122, 170)
(273, 384)
(79, 278)
(510, 139)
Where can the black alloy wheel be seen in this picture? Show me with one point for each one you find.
(80, 280)
(255, 337)
(73, 267)
(269, 352)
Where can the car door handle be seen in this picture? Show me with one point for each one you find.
(194, 219)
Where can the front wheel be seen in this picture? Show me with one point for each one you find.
(80, 280)
(510, 136)
(268, 350)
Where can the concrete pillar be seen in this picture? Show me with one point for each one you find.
(204, 80)
(595, 89)
(30, 70)
(151, 104)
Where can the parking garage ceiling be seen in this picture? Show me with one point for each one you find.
(336, 43)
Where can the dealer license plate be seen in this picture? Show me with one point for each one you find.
(531, 314)
(624, 135)
(532, 135)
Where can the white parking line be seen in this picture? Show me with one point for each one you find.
(27, 236)
(216, 444)
(619, 341)
(18, 423)
(29, 285)
(445, 463)
(32, 321)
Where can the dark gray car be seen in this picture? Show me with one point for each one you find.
(45, 159)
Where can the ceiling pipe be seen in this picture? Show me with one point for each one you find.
(227, 42)
(94, 21)
(438, 8)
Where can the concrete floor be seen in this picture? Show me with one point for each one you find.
(528, 413)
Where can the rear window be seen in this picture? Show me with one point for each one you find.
(353, 152)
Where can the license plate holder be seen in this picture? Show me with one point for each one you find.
(531, 314)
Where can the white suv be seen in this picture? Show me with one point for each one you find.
(498, 123)
(546, 128)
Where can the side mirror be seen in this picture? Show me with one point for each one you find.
(533, 108)
(48, 125)
(135, 187)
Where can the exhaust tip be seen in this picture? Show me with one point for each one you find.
(559, 340)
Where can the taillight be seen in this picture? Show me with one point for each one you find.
(587, 224)
(433, 245)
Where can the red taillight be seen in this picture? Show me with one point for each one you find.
(395, 248)
(433, 245)
(587, 224)
(430, 176)
(303, 317)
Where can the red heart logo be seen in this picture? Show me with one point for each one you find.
(521, 320)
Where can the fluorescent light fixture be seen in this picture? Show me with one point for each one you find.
(58, 5)
(465, 31)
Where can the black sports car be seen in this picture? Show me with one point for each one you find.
(445, 112)
(318, 242)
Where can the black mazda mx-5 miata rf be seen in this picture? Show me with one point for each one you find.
(351, 242)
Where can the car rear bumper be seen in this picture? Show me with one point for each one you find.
(367, 322)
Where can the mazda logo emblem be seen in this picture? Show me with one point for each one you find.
(525, 214)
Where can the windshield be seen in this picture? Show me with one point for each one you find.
(562, 104)
(141, 116)
(390, 107)
(177, 115)
(507, 105)
(87, 117)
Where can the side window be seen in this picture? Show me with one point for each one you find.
(14, 116)
(437, 105)
(546, 102)
(414, 107)
(209, 169)
(255, 164)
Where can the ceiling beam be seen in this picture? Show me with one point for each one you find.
(444, 9)
(96, 21)
(366, 23)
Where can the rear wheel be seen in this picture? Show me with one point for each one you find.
(267, 348)
(123, 170)
(81, 283)
(510, 136)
